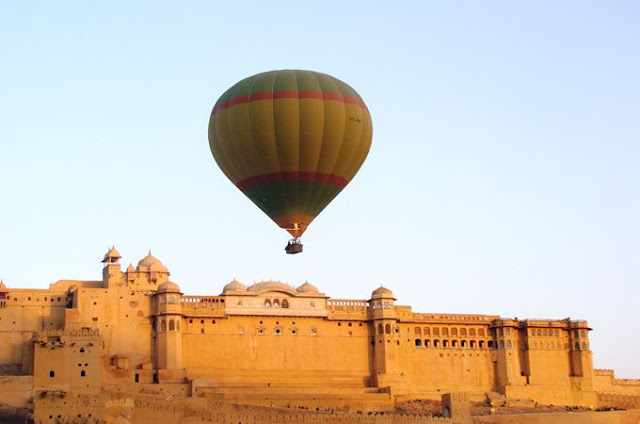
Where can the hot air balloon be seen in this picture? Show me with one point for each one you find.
(290, 140)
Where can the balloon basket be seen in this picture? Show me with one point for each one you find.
(293, 246)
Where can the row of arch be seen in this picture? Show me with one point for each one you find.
(386, 329)
(544, 332)
(463, 344)
(501, 344)
(173, 325)
(446, 331)
(276, 303)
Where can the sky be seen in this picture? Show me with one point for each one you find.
(503, 176)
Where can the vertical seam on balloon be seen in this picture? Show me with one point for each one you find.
(309, 190)
(233, 146)
(249, 123)
(229, 166)
(354, 155)
(366, 137)
(314, 205)
(275, 138)
(317, 161)
(296, 200)
(326, 190)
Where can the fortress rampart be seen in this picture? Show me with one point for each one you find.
(135, 332)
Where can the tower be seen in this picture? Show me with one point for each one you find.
(168, 333)
(386, 339)
(507, 365)
(111, 271)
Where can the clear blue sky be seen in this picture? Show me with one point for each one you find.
(504, 174)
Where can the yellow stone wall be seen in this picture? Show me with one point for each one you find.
(272, 335)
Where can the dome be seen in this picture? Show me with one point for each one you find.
(2, 286)
(168, 286)
(234, 286)
(307, 288)
(112, 255)
(381, 292)
(130, 268)
(151, 263)
(274, 286)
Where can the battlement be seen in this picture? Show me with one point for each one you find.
(64, 336)
(449, 318)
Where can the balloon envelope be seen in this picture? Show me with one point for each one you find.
(290, 141)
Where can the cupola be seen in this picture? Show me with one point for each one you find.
(112, 256)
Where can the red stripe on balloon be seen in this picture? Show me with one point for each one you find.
(292, 176)
(288, 94)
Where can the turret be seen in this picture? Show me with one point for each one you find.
(385, 334)
(4, 294)
(581, 360)
(168, 332)
(111, 273)
(506, 342)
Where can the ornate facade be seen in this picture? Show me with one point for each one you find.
(135, 331)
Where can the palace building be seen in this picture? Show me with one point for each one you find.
(134, 331)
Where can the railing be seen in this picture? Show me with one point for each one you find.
(346, 305)
(210, 302)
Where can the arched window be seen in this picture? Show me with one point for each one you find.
(387, 328)
(509, 344)
(267, 303)
(276, 303)
(178, 325)
(454, 332)
(427, 343)
(501, 344)
(172, 325)
(500, 332)
(380, 329)
(472, 332)
(463, 343)
(481, 344)
(436, 332)
(490, 344)
(472, 344)
(436, 343)
(163, 325)
(445, 331)
(52, 373)
(445, 343)
(454, 343)
(463, 332)
(577, 346)
(285, 303)
(481, 332)
(584, 345)
(418, 331)
(418, 342)
(83, 373)
(426, 331)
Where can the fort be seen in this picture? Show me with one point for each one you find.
(131, 347)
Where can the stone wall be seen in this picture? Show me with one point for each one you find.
(149, 411)
(617, 400)
(611, 417)
(16, 391)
